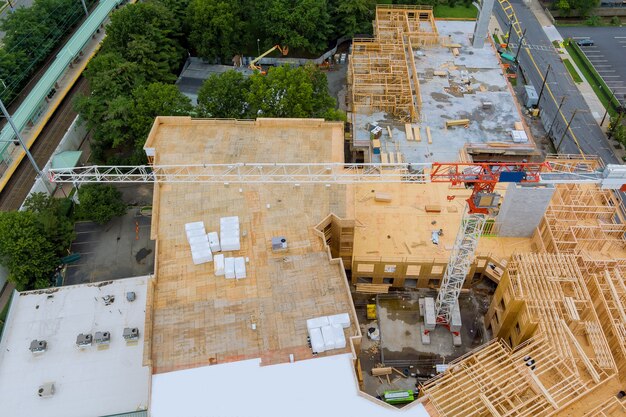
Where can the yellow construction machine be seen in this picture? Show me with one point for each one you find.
(253, 64)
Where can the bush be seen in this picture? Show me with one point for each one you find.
(100, 203)
(593, 21)
(616, 21)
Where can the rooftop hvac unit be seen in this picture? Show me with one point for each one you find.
(130, 296)
(38, 346)
(103, 338)
(83, 340)
(108, 299)
(46, 390)
(279, 243)
(131, 333)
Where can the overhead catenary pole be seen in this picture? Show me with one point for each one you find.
(85, 7)
(508, 35)
(20, 140)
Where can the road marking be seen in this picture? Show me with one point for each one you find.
(610, 76)
(602, 66)
(620, 37)
(600, 60)
(606, 70)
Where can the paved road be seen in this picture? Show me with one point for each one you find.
(608, 55)
(534, 62)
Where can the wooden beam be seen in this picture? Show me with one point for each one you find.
(416, 134)
(543, 389)
(430, 139)
(583, 356)
(489, 406)
(409, 131)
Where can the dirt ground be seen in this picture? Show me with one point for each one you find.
(398, 320)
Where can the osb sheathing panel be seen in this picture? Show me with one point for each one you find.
(200, 319)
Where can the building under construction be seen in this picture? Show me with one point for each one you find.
(289, 282)
(551, 326)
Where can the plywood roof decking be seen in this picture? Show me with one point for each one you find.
(409, 227)
(199, 319)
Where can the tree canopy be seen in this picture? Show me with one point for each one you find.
(283, 92)
(33, 240)
(100, 203)
(31, 34)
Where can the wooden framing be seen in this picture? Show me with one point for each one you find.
(381, 74)
(495, 380)
(608, 292)
(403, 272)
(546, 293)
(583, 218)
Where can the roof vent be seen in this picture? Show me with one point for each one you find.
(131, 333)
(83, 340)
(279, 243)
(108, 299)
(46, 390)
(102, 338)
(37, 346)
(130, 296)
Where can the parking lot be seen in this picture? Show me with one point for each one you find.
(119, 249)
(608, 54)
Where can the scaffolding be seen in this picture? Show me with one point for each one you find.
(381, 74)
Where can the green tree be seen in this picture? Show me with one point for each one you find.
(352, 17)
(216, 28)
(53, 217)
(290, 92)
(100, 203)
(156, 99)
(563, 5)
(106, 110)
(584, 7)
(302, 24)
(26, 250)
(224, 96)
(146, 34)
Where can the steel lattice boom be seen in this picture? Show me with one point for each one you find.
(261, 173)
(459, 265)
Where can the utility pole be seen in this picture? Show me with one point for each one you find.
(508, 35)
(545, 79)
(555, 116)
(20, 140)
(85, 7)
(566, 129)
(519, 47)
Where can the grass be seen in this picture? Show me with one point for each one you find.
(457, 12)
(591, 79)
(572, 71)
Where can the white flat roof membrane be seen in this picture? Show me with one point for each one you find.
(324, 386)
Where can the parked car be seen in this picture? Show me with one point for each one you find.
(584, 42)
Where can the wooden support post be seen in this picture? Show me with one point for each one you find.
(583, 356)
(430, 139)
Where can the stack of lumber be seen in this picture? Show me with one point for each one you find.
(372, 288)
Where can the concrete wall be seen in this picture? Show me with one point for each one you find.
(71, 141)
(522, 209)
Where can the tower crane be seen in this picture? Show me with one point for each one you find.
(481, 177)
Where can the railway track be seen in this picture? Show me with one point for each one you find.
(22, 180)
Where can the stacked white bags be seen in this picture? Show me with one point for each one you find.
(199, 243)
(326, 332)
(229, 233)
